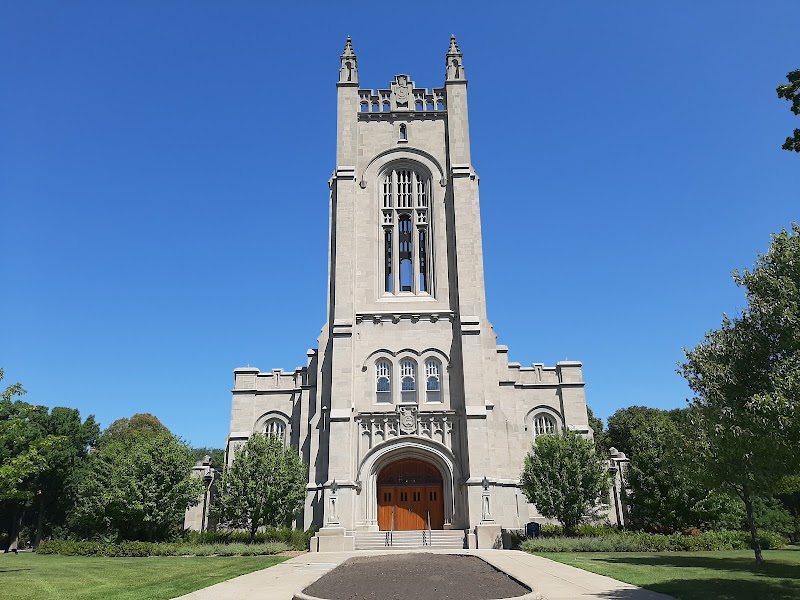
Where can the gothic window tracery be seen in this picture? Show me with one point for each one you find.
(543, 424)
(383, 381)
(277, 428)
(405, 222)
(433, 381)
(408, 381)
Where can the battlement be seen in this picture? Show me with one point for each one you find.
(252, 379)
(402, 96)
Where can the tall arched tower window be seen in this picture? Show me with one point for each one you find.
(405, 223)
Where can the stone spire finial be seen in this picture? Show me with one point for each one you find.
(455, 61)
(348, 73)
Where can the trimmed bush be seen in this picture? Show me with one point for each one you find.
(653, 542)
(297, 539)
(549, 531)
(140, 549)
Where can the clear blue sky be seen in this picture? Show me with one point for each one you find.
(164, 167)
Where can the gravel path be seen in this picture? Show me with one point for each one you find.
(416, 576)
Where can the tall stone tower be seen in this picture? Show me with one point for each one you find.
(408, 413)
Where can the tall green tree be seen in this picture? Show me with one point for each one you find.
(746, 379)
(666, 493)
(565, 478)
(264, 486)
(791, 92)
(137, 488)
(127, 427)
(624, 423)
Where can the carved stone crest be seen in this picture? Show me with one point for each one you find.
(401, 90)
(408, 419)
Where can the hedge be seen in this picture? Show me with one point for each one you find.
(297, 539)
(653, 542)
(135, 549)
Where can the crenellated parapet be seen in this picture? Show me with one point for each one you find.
(401, 96)
(251, 379)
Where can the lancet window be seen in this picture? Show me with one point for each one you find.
(405, 222)
(408, 381)
(433, 380)
(383, 381)
(277, 428)
(543, 424)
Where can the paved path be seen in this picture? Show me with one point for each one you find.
(553, 580)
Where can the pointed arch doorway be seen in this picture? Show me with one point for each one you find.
(410, 492)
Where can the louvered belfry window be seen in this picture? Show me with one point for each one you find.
(405, 221)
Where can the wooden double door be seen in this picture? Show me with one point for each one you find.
(410, 492)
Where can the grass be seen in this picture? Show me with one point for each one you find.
(726, 575)
(29, 575)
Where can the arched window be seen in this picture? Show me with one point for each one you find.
(403, 133)
(408, 381)
(383, 381)
(405, 223)
(276, 427)
(433, 380)
(543, 424)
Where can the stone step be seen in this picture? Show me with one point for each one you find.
(373, 540)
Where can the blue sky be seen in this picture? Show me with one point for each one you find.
(164, 167)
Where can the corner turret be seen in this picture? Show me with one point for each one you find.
(455, 62)
(348, 73)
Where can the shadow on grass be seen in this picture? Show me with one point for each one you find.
(771, 568)
(773, 580)
(12, 569)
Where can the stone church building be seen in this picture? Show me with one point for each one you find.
(408, 413)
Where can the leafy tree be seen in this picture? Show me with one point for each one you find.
(137, 487)
(138, 423)
(56, 484)
(791, 92)
(623, 423)
(666, 493)
(600, 434)
(265, 486)
(746, 379)
(565, 478)
(788, 492)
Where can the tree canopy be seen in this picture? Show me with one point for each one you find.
(565, 478)
(791, 92)
(40, 455)
(137, 488)
(265, 486)
(746, 379)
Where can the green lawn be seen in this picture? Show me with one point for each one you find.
(28, 575)
(729, 575)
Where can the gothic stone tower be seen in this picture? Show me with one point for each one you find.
(408, 414)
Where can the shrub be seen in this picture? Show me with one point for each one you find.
(652, 542)
(297, 539)
(137, 549)
(549, 531)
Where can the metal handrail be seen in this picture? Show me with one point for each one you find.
(391, 530)
(430, 533)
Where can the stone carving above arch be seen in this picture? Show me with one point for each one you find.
(393, 354)
(261, 422)
(418, 158)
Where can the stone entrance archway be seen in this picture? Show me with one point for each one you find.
(436, 455)
(410, 496)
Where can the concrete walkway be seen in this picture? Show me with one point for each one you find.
(553, 580)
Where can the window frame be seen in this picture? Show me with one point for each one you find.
(416, 196)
